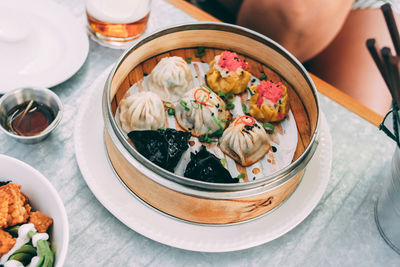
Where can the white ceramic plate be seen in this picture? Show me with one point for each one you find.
(42, 197)
(98, 174)
(41, 44)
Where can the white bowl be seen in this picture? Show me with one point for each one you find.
(43, 197)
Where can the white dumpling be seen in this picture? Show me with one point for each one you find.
(201, 111)
(141, 111)
(245, 140)
(171, 78)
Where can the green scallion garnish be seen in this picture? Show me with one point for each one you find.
(222, 95)
(217, 133)
(230, 105)
(218, 122)
(206, 138)
(189, 60)
(241, 175)
(269, 127)
(184, 105)
(223, 161)
(263, 77)
(171, 111)
(250, 92)
(244, 108)
(230, 97)
(200, 52)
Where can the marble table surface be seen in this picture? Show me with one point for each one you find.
(340, 231)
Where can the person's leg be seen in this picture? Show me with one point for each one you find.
(304, 27)
(346, 62)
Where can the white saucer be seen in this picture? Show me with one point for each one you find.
(41, 44)
(93, 163)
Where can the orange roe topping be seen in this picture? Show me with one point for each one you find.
(247, 120)
(202, 96)
(231, 61)
(269, 90)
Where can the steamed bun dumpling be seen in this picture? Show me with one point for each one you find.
(228, 74)
(201, 111)
(141, 111)
(245, 140)
(171, 78)
(270, 101)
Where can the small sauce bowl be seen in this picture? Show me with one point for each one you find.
(18, 97)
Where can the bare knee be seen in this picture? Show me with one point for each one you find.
(304, 27)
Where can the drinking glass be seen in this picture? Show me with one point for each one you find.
(116, 23)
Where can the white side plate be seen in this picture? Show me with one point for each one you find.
(41, 44)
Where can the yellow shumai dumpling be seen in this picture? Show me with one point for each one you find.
(228, 74)
(270, 102)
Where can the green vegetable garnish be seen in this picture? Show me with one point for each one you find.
(230, 97)
(224, 120)
(244, 108)
(189, 60)
(168, 105)
(206, 138)
(218, 122)
(23, 258)
(230, 105)
(250, 92)
(13, 230)
(171, 111)
(28, 249)
(217, 133)
(24, 254)
(263, 77)
(269, 127)
(184, 105)
(241, 175)
(223, 161)
(200, 52)
(46, 256)
(222, 95)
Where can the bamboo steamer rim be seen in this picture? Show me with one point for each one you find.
(165, 177)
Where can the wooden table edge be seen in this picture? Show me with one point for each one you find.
(322, 86)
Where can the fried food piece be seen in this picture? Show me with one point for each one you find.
(3, 208)
(41, 221)
(6, 242)
(14, 207)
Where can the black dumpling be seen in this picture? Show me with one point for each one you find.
(177, 145)
(152, 145)
(204, 166)
(162, 147)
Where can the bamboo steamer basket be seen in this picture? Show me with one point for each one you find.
(197, 201)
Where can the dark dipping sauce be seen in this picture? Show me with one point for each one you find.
(35, 120)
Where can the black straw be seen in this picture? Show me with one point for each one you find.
(391, 24)
(372, 48)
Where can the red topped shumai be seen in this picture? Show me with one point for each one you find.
(270, 101)
(228, 73)
(231, 61)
